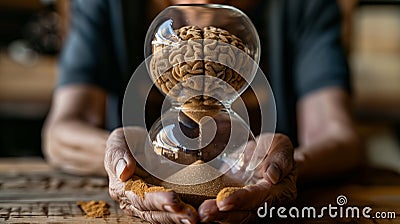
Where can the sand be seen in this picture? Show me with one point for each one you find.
(196, 173)
(139, 187)
(94, 209)
(197, 112)
(194, 194)
(226, 192)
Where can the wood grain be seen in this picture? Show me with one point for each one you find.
(32, 192)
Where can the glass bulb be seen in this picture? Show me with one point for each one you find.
(202, 57)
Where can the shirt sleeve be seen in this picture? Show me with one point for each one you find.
(319, 57)
(87, 53)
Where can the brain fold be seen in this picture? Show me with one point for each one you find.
(182, 69)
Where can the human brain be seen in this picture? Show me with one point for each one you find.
(202, 64)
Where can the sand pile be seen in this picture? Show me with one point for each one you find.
(194, 194)
(198, 172)
(94, 209)
(226, 192)
(139, 187)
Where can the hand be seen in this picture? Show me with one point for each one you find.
(275, 183)
(156, 207)
(73, 138)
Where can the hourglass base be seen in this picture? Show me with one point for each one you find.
(203, 157)
(197, 193)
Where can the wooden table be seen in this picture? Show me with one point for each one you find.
(32, 192)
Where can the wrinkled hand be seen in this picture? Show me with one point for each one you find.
(156, 207)
(275, 183)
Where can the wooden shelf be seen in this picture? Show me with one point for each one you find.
(27, 83)
(374, 61)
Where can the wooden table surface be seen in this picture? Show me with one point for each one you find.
(32, 192)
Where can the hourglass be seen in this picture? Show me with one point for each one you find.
(202, 57)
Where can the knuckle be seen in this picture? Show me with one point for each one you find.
(109, 152)
(281, 138)
(171, 196)
(284, 162)
(117, 133)
(113, 150)
(112, 155)
(130, 210)
(123, 205)
(283, 144)
(50, 155)
(51, 159)
(116, 139)
(113, 194)
(108, 161)
(149, 217)
(138, 203)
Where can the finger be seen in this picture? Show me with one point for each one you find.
(159, 201)
(75, 168)
(160, 207)
(134, 140)
(74, 154)
(116, 189)
(247, 198)
(167, 202)
(253, 196)
(208, 212)
(161, 216)
(118, 160)
(72, 161)
(279, 161)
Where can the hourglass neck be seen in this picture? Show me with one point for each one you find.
(199, 107)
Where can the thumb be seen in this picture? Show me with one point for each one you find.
(279, 161)
(125, 168)
(118, 160)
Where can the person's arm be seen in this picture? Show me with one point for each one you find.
(328, 141)
(74, 136)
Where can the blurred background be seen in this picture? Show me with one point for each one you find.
(32, 33)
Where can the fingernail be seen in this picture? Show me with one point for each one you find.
(205, 215)
(168, 208)
(185, 221)
(120, 167)
(226, 208)
(273, 173)
(206, 211)
(204, 219)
